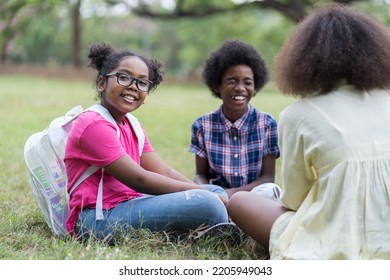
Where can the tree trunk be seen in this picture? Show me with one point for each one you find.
(76, 34)
(3, 53)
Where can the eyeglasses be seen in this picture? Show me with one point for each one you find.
(126, 80)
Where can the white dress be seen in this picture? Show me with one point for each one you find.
(335, 154)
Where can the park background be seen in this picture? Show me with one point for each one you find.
(43, 73)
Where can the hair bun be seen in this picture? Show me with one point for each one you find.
(98, 52)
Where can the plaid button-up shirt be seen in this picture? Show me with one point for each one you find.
(234, 151)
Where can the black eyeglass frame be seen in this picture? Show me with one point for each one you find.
(131, 79)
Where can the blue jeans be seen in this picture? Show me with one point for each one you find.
(180, 211)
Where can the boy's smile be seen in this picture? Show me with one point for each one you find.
(236, 89)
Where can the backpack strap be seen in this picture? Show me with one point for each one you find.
(92, 169)
(99, 199)
(85, 175)
(133, 122)
(138, 131)
(105, 114)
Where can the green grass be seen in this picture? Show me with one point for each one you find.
(30, 103)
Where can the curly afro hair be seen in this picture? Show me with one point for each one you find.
(334, 45)
(231, 53)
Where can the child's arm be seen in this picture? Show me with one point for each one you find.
(148, 181)
(152, 162)
(202, 170)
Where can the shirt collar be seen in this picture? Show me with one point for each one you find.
(241, 123)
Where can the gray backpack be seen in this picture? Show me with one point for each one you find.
(44, 156)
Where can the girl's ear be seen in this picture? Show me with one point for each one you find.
(101, 84)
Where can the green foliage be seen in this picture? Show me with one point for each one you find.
(378, 8)
(186, 43)
(194, 4)
(30, 103)
(38, 49)
(181, 44)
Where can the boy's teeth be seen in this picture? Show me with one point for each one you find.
(240, 97)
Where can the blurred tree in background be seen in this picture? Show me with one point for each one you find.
(180, 33)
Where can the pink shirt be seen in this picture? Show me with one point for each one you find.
(94, 141)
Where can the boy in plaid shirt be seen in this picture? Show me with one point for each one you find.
(236, 146)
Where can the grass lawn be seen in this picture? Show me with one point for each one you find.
(30, 103)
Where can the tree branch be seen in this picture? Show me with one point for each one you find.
(295, 10)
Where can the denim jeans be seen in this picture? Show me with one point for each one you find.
(180, 211)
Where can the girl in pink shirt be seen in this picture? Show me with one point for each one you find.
(139, 189)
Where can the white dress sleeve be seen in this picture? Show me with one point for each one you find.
(298, 173)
